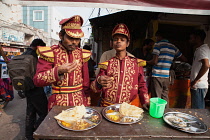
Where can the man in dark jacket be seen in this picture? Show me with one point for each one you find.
(35, 98)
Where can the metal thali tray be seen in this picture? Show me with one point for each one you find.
(185, 122)
(92, 117)
(116, 115)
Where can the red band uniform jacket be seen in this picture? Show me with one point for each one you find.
(128, 84)
(73, 88)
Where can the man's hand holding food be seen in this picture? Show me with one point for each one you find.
(67, 68)
(104, 80)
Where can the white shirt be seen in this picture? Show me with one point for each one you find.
(202, 52)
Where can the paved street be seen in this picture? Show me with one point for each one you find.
(12, 119)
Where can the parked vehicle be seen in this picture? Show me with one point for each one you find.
(6, 92)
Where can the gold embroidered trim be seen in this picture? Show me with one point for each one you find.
(44, 49)
(46, 58)
(77, 74)
(72, 26)
(103, 65)
(76, 19)
(47, 76)
(84, 50)
(45, 53)
(121, 31)
(141, 63)
(86, 59)
(76, 34)
(86, 55)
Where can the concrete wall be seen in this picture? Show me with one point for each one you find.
(10, 11)
(54, 27)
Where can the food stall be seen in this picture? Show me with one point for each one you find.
(147, 128)
(179, 89)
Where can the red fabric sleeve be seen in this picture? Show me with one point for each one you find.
(143, 91)
(46, 74)
(86, 79)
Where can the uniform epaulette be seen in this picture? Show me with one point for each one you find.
(141, 63)
(86, 55)
(103, 65)
(45, 53)
(54, 47)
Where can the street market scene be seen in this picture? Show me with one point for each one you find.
(114, 70)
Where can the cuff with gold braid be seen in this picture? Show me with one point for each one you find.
(66, 89)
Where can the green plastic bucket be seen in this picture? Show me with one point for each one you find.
(157, 107)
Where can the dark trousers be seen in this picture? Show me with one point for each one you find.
(197, 98)
(36, 107)
(159, 88)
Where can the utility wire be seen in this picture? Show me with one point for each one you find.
(99, 12)
(107, 10)
(89, 17)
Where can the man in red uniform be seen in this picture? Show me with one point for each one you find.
(65, 67)
(121, 78)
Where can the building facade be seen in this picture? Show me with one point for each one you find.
(16, 36)
(44, 18)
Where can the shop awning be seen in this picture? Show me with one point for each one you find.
(200, 7)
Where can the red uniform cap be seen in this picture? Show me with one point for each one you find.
(121, 29)
(72, 26)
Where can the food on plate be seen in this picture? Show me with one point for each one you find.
(130, 110)
(126, 113)
(128, 119)
(81, 124)
(110, 111)
(66, 124)
(78, 118)
(69, 116)
(114, 116)
(94, 118)
(176, 121)
(72, 118)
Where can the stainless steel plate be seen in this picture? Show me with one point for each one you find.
(116, 107)
(90, 117)
(185, 122)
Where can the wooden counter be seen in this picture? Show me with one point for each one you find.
(147, 128)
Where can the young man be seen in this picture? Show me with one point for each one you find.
(200, 69)
(35, 98)
(163, 55)
(121, 78)
(65, 67)
(109, 54)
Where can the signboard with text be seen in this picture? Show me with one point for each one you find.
(12, 35)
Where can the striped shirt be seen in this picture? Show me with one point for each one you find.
(166, 52)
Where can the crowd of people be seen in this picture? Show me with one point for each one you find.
(120, 77)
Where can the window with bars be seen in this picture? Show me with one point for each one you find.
(38, 15)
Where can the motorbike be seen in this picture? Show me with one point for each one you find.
(6, 92)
